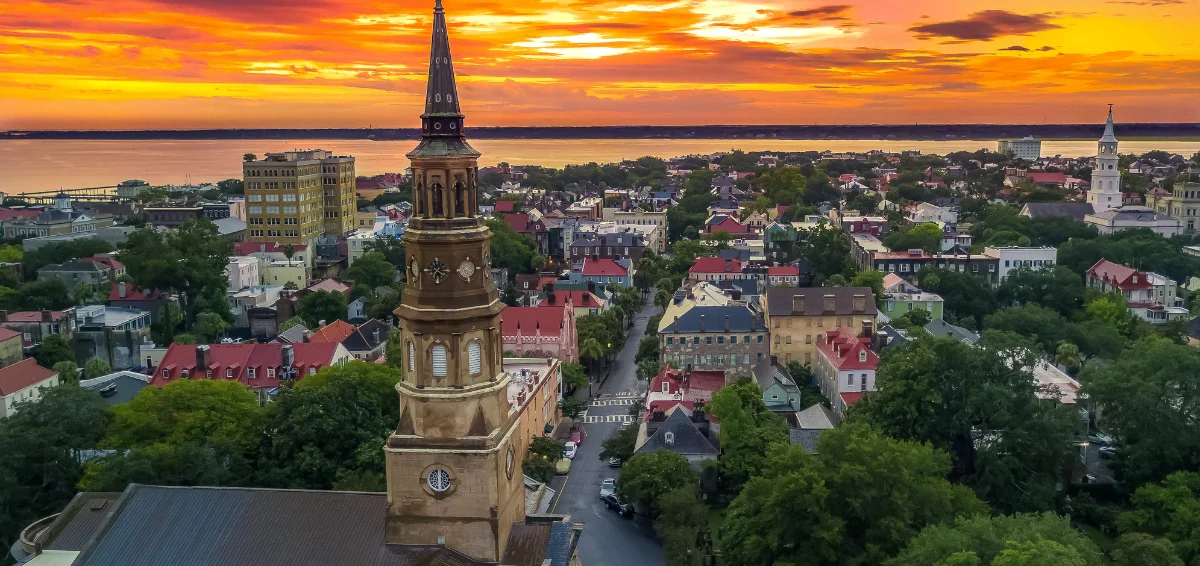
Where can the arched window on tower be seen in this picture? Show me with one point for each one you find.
(475, 357)
(460, 197)
(419, 196)
(438, 356)
(438, 210)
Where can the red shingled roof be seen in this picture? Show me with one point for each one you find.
(239, 358)
(132, 294)
(851, 398)
(1119, 275)
(531, 320)
(715, 265)
(578, 298)
(843, 348)
(108, 261)
(784, 270)
(21, 375)
(518, 222)
(8, 334)
(336, 331)
(603, 266)
(729, 226)
(31, 316)
(506, 205)
(25, 213)
(1046, 177)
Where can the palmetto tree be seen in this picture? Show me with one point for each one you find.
(662, 298)
(592, 351)
(647, 369)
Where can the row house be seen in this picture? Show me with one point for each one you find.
(799, 317)
(618, 273)
(621, 245)
(530, 226)
(908, 263)
(1142, 290)
(845, 367)
(261, 367)
(715, 269)
(729, 337)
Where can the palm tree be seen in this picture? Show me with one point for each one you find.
(289, 251)
(1067, 355)
(647, 369)
(662, 299)
(591, 351)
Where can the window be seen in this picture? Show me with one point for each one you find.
(669, 437)
(789, 339)
(439, 480)
(666, 386)
(670, 341)
(720, 339)
(862, 356)
(708, 339)
(760, 339)
(166, 374)
(228, 373)
(475, 357)
(270, 373)
(184, 373)
(808, 339)
(746, 359)
(438, 354)
(250, 373)
(733, 339)
(745, 340)
(850, 379)
(696, 341)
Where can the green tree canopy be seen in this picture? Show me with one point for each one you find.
(981, 406)
(857, 501)
(966, 296)
(195, 410)
(510, 248)
(372, 270)
(96, 367)
(1140, 549)
(1058, 288)
(52, 350)
(647, 476)
(330, 426)
(748, 431)
(927, 236)
(320, 306)
(190, 260)
(1149, 404)
(986, 538)
(620, 443)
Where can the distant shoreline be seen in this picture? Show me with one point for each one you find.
(918, 132)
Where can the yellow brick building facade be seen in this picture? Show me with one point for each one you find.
(293, 197)
(798, 318)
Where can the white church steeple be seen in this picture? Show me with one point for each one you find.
(1105, 192)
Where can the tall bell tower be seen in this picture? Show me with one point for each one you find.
(1105, 191)
(453, 474)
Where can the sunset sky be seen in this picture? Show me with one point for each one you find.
(138, 64)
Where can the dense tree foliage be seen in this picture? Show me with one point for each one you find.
(1170, 510)
(511, 249)
(1057, 288)
(857, 501)
(59, 252)
(371, 270)
(319, 306)
(190, 261)
(827, 251)
(979, 404)
(985, 539)
(53, 350)
(927, 236)
(1150, 403)
(39, 454)
(748, 430)
(647, 476)
(966, 296)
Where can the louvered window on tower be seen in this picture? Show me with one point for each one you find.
(475, 357)
(412, 354)
(439, 360)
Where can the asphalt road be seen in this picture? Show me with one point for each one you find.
(608, 538)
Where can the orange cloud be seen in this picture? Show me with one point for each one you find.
(343, 63)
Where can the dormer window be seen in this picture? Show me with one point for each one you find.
(1135, 278)
(862, 356)
(669, 437)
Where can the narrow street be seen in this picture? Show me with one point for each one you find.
(608, 538)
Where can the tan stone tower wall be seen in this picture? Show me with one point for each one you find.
(453, 464)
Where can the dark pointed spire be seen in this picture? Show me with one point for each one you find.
(442, 117)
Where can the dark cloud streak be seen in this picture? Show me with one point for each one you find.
(984, 26)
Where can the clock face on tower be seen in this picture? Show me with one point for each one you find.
(466, 269)
(437, 270)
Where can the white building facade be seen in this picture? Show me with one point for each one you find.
(1027, 148)
(1105, 193)
(1012, 258)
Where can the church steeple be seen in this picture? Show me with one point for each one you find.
(1109, 136)
(1105, 190)
(442, 117)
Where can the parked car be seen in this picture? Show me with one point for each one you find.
(612, 502)
(608, 487)
(577, 436)
(571, 449)
(1107, 452)
(614, 462)
(563, 466)
(1102, 439)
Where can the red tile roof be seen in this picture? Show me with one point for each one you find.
(8, 334)
(603, 266)
(329, 285)
(31, 316)
(578, 297)
(518, 222)
(844, 348)
(506, 205)
(247, 248)
(1047, 177)
(847, 177)
(110, 262)
(336, 331)
(530, 320)
(21, 375)
(26, 213)
(240, 357)
(851, 398)
(715, 265)
(730, 226)
(699, 386)
(132, 294)
(784, 270)
(1119, 275)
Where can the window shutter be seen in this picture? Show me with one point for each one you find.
(412, 354)
(475, 357)
(439, 360)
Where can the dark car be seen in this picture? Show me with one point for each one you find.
(1107, 452)
(612, 502)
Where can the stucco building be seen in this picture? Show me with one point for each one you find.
(295, 196)
(798, 318)
(731, 338)
(25, 381)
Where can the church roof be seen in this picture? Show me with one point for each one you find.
(441, 124)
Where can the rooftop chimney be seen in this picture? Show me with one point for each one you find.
(375, 335)
(47, 316)
(3, 315)
(287, 356)
(728, 265)
(830, 303)
(798, 304)
(203, 359)
(701, 323)
(860, 303)
(727, 323)
(121, 289)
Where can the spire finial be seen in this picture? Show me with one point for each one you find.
(437, 5)
(442, 117)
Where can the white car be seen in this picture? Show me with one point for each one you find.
(571, 449)
(608, 487)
